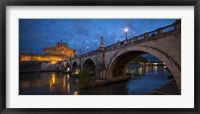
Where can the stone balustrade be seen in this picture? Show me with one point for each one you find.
(141, 38)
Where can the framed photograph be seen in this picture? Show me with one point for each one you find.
(84, 56)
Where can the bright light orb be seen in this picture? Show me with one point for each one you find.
(126, 29)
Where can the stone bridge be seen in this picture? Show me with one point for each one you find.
(112, 61)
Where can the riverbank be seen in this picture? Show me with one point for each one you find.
(168, 89)
(31, 71)
(109, 81)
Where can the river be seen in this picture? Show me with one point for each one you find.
(144, 79)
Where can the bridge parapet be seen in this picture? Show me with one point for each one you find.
(90, 53)
(158, 33)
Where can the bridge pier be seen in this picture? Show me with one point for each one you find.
(101, 74)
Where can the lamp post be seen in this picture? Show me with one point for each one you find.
(126, 31)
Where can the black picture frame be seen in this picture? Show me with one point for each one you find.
(4, 3)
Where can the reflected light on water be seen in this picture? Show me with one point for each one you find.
(155, 68)
(147, 70)
(68, 87)
(140, 71)
(64, 82)
(76, 72)
(52, 81)
(75, 92)
(68, 77)
(133, 72)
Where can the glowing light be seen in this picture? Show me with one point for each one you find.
(75, 92)
(126, 29)
(68, 87)
(67, 76)
(52, 81)
(76, 72)
(147, 70)
(25, 58)
(53, 62)
(53, 75)
(53, 78)
(40, 58)
(68, 69)
(50, 85)
(156, 69)
(155, 63)
(64, 82)
(140, 71)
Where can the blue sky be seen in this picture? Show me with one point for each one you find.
(84, 34)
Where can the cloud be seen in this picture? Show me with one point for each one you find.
(35, 34)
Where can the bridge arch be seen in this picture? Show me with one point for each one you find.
(126, 55)
(90, 65)
(74, 66)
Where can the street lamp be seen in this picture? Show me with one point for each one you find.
(126, 31)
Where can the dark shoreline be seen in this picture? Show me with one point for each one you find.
(164, 89)
(32, 71)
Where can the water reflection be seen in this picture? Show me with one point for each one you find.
(155, 69)
(52, 82)
(147, 78)
(144, 79)
(64, 83)
(76, 92)
(148, 69)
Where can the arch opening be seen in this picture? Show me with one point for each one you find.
(134, 64)
(90, 66)
(121, 63)
(74, 66)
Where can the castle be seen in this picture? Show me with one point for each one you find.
(51, 54)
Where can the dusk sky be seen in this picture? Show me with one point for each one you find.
(84, 34)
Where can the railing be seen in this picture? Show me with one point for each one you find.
(141, 38)
(146, 36)
(168, 29)
(90, 53)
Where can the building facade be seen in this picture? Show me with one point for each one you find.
(51, 54)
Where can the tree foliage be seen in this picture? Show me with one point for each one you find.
(84, 78)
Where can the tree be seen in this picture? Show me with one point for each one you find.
(84, 78)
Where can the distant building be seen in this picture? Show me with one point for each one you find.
(51, 54)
